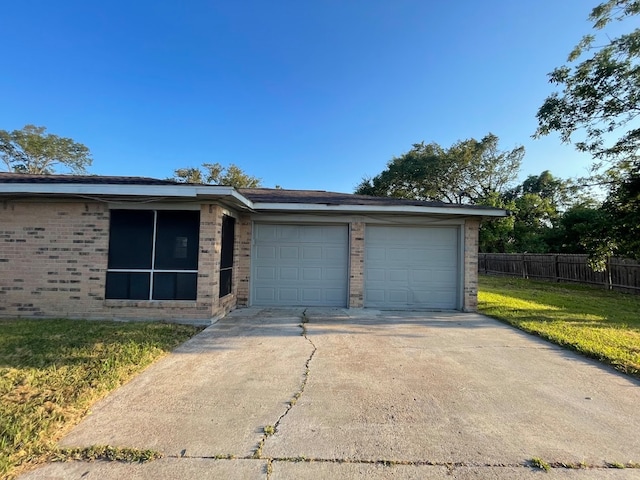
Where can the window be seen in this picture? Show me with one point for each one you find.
(226, 255)
(153, 255)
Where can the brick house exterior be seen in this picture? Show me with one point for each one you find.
(56, 258)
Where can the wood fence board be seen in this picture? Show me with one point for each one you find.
(621, 274)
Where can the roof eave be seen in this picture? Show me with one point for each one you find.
(402, 209)
(177, 192)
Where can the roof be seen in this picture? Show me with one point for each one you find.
(119, 189)
(7, 177)
(277, 195)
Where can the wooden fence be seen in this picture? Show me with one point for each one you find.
(621, 273)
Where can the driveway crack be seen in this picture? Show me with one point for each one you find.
(269, 430)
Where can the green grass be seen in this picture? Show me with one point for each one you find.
(540, 463)
(598, 323)
(52, 371)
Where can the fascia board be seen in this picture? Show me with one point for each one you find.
(166, 191)
(402, 209)
(94, 189)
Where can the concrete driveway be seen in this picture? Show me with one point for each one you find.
(364, 394)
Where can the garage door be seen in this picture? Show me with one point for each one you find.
(300, 265)
(411, 267)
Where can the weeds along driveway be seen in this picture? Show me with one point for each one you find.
(344, 394)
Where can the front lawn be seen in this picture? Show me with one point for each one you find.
(52, 371)
(598, 323)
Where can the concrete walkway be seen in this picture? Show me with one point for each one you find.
(360, 394)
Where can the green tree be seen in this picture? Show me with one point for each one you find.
(497, 234)
(623, 208)
(597, 110)
(467, 172)
(30, 150)
(536, 207)
(215, 173)
(600, 94)
(577, 228)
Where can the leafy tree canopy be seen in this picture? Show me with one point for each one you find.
(600, 94)
(467, 172)
(215, 173)
(30, 150)
(600, 103)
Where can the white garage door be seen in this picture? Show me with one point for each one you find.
(300, 265)
(411, 267)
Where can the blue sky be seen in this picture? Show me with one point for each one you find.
(303, 94)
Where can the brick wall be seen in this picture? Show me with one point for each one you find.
(53, 258)
(356, 265)
(242, 264)
(53, 263)
(471, 237)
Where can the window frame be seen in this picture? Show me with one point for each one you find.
(152, 271)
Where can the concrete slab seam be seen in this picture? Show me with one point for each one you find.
(451, 467)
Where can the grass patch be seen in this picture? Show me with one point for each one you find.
(540, 463)
(52, 371)
(601, 324)
(105, 452)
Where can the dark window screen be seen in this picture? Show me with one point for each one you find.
(130, 239)
(128, 285)
(174, 286)
(177, 240)
(228, 236)
(225, 282)
(226, 255)
(131, 248)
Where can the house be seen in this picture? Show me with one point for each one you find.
(130, 247)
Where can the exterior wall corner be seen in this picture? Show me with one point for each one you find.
(356, 264)
(470, 274)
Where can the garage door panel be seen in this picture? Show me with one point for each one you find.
(312, 252)
(401, 255)
(286, 233)
(312, 295)
(265, 294)
(310, 261)
(423, 276)
(374, 254)
(376, 296)
(333, 296)
(288, 273)
(411, 267)
(375, 275)
(266, 252)
(312, 273)
(333, 274)
(336, 254)
(398, 275)
(289, 253)
(267, 233)
(398, 296)
(287, 294)
(265, 273)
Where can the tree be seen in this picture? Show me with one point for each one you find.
(536, 206)
(215, 173)
(467, 172)
(31, 151)
(496, 234)
(577, 228)
(623, 208)
(601, 98)
(601, 94)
